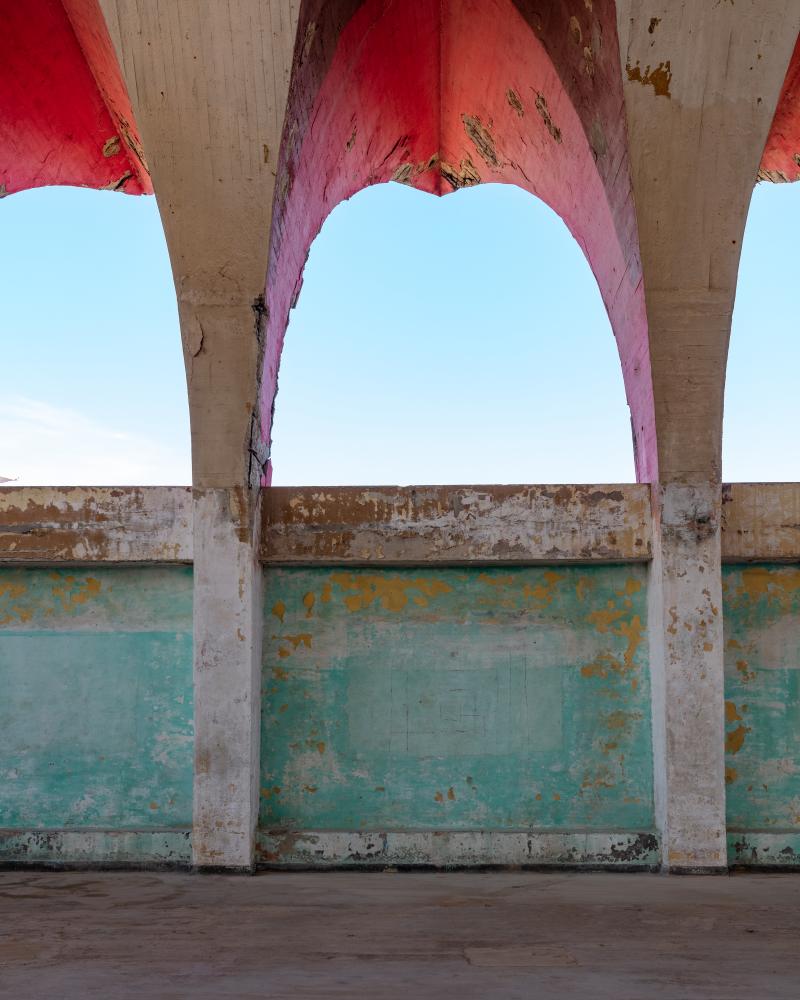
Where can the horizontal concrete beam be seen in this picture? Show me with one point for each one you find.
(43, 525)
(456, 524)
(761, 522)
(40, 525)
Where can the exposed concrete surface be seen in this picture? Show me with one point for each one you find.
(456, 524)
(227, 677)
(687, 675)
(509, 935)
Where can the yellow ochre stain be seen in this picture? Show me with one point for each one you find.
(392, 592)
(320, 746)
(543, 593)
(72, 592)
(325, 596)
(734, 740)
(582, 587)
(601, 665)
(308, 603)
(731, 715)
(777, 586)
(295, 641)
(659, 78)
(279, 610)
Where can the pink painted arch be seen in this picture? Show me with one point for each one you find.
(442, 94)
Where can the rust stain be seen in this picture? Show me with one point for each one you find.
(731, 774)
(391, 592)
(658, 78)
(734, 740)
(308, 603)
(777, 587)
(731, 714)
(543, 593)
(279, 610)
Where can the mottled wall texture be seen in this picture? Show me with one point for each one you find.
(762, 713)
(96, 731)
(401, 704)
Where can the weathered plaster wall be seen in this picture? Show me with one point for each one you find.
(762, 712)
(96, 732)
(456, 701)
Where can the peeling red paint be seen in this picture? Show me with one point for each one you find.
(65, 117)
(420, 93)
(781, 160)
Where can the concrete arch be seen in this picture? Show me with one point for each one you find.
(449, 94)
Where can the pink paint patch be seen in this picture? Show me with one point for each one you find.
(445, 95)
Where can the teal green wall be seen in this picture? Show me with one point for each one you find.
(456, 699)
(762, 712)
(95, 699)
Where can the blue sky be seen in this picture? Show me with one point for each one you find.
(454, 340)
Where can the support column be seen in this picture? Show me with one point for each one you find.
(687, 679)
(227, 678)
(208, 84)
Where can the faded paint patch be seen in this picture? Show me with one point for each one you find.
(761, 608)
(96, 726)
(457, 699)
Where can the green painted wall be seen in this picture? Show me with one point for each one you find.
(762, 712)
(456, 699)
(95, 699)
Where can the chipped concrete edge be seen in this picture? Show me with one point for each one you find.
(45, 525)
(771, 849)
(456, 849)
(761, 522)
(42, 525)
(456, 524)
(169, 848)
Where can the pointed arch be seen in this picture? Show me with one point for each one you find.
(444, 94)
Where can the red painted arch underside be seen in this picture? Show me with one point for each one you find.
(65, 117)
(444, 93)
(781, 160)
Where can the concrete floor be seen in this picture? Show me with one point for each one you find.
(376, 935)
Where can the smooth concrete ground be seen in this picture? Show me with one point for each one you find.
(376, 935)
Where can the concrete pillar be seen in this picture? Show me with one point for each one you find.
(686, 658)
(227, 678)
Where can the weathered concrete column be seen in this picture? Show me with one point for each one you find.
(208, 85)
(695, 143)
(687, 680)
(227, 677)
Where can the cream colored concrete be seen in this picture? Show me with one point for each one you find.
(457, 524)
(227, 678)
(687, 678)
(95, 524)
(702, 80)
(208, 83)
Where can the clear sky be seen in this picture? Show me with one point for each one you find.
(454, 340)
